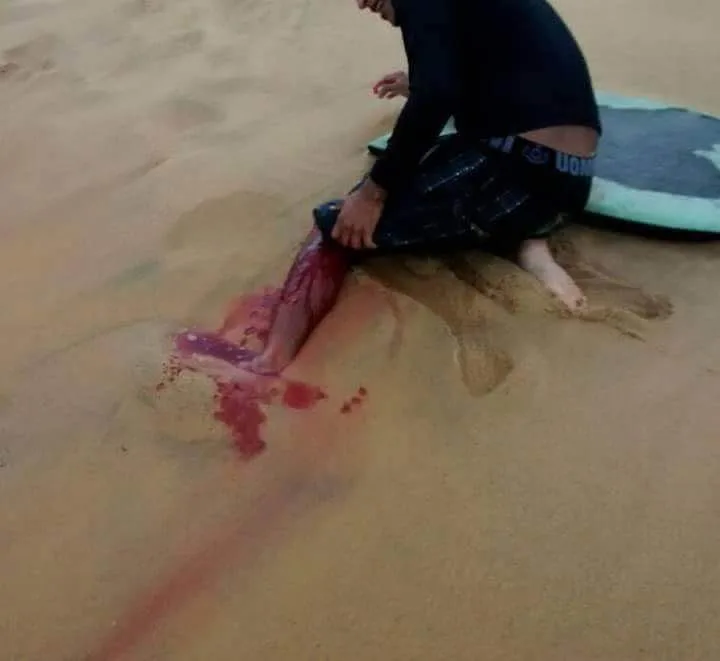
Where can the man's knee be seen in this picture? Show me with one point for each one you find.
(326, 216)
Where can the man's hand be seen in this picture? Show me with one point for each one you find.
(392, 85)
(383, 7)
(372, 5)
(359, 217)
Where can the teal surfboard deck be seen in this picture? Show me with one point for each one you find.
(658, 166)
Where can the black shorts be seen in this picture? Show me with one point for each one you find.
(492, 194)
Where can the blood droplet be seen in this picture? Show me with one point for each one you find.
(354, 401)
(301, 396)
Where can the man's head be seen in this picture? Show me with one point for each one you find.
(383, 8)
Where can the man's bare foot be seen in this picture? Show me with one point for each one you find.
(535, 257)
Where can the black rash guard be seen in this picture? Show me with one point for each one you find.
(499, 67)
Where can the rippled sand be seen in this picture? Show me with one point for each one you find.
(507, 484)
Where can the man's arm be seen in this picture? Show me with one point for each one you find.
(430, 42)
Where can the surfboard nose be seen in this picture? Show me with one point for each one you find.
(326, 216)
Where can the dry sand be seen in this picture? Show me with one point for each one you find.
(517, 486)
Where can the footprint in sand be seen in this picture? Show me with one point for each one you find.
(502, 282)
(35, 56)
(183, 113)
(137, 8)
(9, 70)
(611, 301)
(606, 289)
(483, 352)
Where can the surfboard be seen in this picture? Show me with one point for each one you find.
(658, 167)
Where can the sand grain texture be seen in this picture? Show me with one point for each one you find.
(517, 485)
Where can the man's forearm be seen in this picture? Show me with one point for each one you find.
(418, 127)
(372, 191)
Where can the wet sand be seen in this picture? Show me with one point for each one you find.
(511, 485)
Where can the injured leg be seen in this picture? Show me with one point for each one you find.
(308, 294)
(535, 257)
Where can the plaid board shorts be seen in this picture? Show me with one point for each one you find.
(471, 196)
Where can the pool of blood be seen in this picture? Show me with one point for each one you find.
(266, 328)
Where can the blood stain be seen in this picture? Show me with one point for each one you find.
(300, 396)
(238, 408)
(270, 324)
(354, 401)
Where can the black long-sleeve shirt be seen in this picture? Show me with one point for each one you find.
(499, 67)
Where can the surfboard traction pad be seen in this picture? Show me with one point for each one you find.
(670, 184)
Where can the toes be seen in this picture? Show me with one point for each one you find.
(579, 304)
(658, 307)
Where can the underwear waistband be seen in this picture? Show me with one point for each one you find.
(538, 155)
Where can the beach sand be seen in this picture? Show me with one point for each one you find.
(510, 484)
